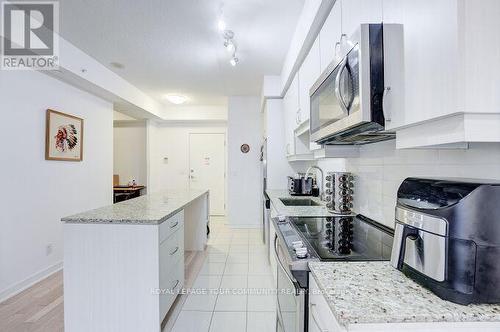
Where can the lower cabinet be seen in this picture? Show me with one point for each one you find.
(321, 318)
(171, 266)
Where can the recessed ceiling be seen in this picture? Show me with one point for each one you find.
(174, 47)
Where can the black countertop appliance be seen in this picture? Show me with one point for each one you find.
(447, 237)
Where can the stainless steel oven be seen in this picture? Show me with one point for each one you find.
(347, 99)
(291, 298)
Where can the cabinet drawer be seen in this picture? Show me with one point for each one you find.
(172, 285)
(320, 316)
(171, 225)
(171, 253)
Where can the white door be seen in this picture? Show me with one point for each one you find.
(207, 167)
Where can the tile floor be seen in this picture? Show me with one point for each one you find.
(233, 291)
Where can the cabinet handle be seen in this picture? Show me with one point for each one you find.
(387, 113)
(176, 223)
(175, 250)
(175, 285)
(336, 51)
(316, 319)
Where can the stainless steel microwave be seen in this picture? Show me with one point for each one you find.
(347, 99)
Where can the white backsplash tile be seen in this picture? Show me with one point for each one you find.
(380, 169)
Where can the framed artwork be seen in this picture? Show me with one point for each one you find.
(63, 137)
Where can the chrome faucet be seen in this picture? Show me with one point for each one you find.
(321, 189)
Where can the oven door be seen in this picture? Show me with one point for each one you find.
(290, 311)
(336, 97)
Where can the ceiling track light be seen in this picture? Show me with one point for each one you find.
(221, 25)
(230, 46)
(229, 42)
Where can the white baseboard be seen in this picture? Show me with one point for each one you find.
(30, 281)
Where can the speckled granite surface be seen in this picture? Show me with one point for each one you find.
(375, 292)
(148, 209)
(296, 211)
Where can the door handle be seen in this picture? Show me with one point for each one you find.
(291, 279)
(343, 106)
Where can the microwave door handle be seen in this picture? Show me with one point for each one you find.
(342, 66)
(407, 232)
(292, 280)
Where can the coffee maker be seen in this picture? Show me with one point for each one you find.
(447, 237)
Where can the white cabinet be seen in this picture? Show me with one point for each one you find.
(309, 72)
(321, 318)
(171, 261)
(356, 12)
(429, 76)
(444, 92)
(291, 107)
(344, 18)
(329, 35)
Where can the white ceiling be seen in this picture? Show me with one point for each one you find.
(172, 46)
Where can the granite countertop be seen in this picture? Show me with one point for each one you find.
(297, 211)
(150, 209)
(375, 292)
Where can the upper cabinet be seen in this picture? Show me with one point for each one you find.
(356, 12)
(290, 111)
(308, 74)
(330, 35)
(428, 76)
(443, 90)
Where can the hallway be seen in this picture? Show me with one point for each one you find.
(233, 290)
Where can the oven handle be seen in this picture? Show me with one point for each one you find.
(342, 66)
(290, 278)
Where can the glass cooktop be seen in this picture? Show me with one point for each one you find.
(346, 238)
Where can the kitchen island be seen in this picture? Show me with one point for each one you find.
(373, 296)
(124, 263)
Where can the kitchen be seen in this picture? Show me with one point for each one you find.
(347, 182)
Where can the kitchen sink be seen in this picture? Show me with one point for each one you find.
(299, 202)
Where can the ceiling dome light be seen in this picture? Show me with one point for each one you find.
(176, 99)
(221, 25)
(234, 61)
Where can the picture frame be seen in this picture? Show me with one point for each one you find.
(63, 136)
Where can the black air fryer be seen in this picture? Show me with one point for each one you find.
(447, 237)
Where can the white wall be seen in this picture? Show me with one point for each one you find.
(129, 152)
(244, 169)
(277, 165)
(172, 141)
(196, 113)
(37, 193)
(381, 168)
